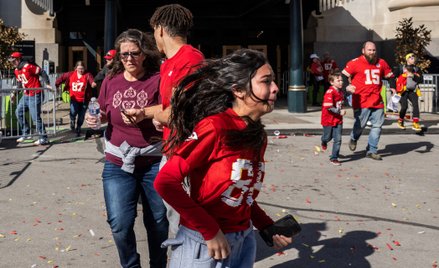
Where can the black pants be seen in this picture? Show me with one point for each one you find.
(316, 88)
(409, 95)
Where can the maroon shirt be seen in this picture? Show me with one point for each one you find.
(117, 93)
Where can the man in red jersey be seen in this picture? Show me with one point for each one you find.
(27, 75)
(365, 74)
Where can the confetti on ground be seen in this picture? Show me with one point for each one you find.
(308, 200)
(317, 148)
(389, 246)
(396, 243)
(280, 253)
(421, 232)
(394, 205)
(92, 233)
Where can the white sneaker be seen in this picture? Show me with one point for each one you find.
(41, 142)
(23, 138)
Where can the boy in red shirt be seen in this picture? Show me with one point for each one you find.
(332, 116)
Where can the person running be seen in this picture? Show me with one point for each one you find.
(133, 152)
(217, 140)
(79, 84)
(27, 75)
(171, 24)
(332, 115)
(366, 73)
(407, 87)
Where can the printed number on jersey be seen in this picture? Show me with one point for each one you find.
(245, 181)
(372, 76)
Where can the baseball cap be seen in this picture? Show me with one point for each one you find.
(314, 56)
(110, 54)
(15, 55)
(409, 55)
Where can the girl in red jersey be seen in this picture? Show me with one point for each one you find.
(218, 140)
(79, 84)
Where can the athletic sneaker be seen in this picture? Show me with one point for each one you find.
(324, 146)
(374, 156)
(416, 126)
(352, 145)
(23, 138)
(335, 162)
(401, 124)
(41, 142)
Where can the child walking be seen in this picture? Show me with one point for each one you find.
(218, 141)
(332, 116)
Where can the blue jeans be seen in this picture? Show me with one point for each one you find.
(33, 104)
(189, 249)
(376, 117)
(333, 132)
(121, 193)
(77, 109)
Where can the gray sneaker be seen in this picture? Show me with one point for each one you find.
(374, 156)
(352, 145)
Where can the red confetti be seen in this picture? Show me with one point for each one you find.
(280, 253)
(42, 257)
(13, 232)
(396, 243)
(308, 200)
(394, 258)
(389, 246)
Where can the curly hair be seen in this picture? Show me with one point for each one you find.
(176, 19)
(147, 46)
(209, 91)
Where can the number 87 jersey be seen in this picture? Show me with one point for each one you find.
(367, 79)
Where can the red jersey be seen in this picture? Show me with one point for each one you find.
(224, 181)
(29, 77)
(332, 98)
(173, 70)
(366, 78)
(117, 93)
(328, 66)
(316, 68)
(78, 87)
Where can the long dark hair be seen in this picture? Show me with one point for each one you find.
(146, 44)
(209, 91)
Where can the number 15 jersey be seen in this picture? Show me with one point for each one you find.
(367, 79)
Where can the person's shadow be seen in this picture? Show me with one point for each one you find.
(350, 250)
(393, 149)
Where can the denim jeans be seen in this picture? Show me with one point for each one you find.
(333, 132)
(33, 104)
(77, 109)
(189, 249)
(376, 117)
(121, 193)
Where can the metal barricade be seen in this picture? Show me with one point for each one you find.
(38, 113)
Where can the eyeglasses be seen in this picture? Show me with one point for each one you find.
(133, 55)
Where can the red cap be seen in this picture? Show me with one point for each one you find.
(110, 54)
(15, 55)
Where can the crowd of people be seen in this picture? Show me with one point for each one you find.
(184, 135)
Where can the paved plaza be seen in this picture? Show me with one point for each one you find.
(365, 213)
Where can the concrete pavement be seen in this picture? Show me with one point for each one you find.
(364, 213)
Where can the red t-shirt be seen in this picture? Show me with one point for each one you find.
(29, 76)
(366, 78)
(118, 93)
(173, 70)
(332, 98)
(224, 181)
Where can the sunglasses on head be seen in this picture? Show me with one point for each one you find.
(134, 55)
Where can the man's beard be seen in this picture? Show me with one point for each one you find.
(372, 59)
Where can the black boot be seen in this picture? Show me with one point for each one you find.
(72, 126)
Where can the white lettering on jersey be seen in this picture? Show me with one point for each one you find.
(77, 86)
(242, 175)
(372, 76)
